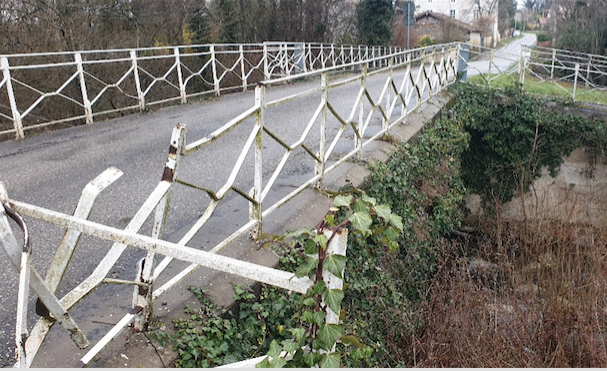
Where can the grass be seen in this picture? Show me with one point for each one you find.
(534, 85)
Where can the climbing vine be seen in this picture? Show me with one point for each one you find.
(514, 135)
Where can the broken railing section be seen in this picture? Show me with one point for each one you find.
(29, 278)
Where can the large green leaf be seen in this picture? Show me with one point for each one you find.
(335, 264)
(368, 199)
(360, 205)
(396, 221)
(322, 240)
(299, 333)
(308, 266)
(383, 211)
(331, 360)
(275, 349)
(264, 364)
(333, 299)
(311, 359)
(361, 221)
(310, 247)
(342, 200)
(328, 335)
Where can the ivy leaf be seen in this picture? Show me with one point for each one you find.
(332, 360)
(361, 221)
(369, 200)
(309, 302)
(396, 221)
(319, 318)
(298, 333)
(342, 200)
(383, 211)
(264, 364)
(308, 266)
(360, 205)
(351, 340)
(392, 234)
(335, 264)
(311, 359)
(300, 232)
(275, 349)
(322, 240)
(278, 362)
(328, 335)
(290, 346)
(308, 317)
(310, 247)
(333, 299)
(331, 218)
(318, 287)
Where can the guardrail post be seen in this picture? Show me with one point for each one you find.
(577, 72)
(180, 76)
(338, 245)
(322, 57)
(521, 71)
(88, 111)
(358, 143)
(255, 210)
(11, 98)
(214, 65)
(266, 67)
(333, 59)
(388, 94)
(553, 60)
(137, 81)
(243, 76)
(320, 165)
(588, 70)
(142, 294)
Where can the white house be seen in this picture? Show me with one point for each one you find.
(468, 11)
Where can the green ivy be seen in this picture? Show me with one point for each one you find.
(513, 136)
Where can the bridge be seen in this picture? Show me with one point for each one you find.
(232, 163)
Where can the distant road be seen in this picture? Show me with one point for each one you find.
(503, 58)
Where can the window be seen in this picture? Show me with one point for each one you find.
(452, 1)
(452, 13)
(429, 1)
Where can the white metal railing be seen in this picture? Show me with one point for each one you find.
(44, 89)
(579, 76)
(409, 78)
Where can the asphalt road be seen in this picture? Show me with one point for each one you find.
(50, 170)
(504, 58)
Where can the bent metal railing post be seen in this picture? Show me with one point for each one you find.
(418, 85)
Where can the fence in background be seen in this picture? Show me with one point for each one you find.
(49, 89)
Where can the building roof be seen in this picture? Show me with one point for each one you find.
(445, 18)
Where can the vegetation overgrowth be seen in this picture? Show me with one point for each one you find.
(436, 286)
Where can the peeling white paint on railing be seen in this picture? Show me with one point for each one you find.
(427, 72)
